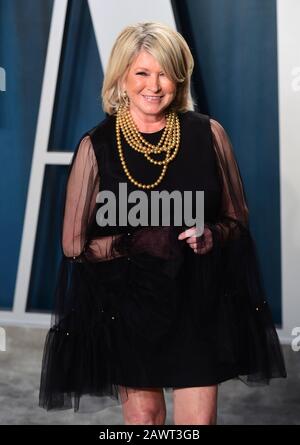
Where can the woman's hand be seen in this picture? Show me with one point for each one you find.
(200, 244)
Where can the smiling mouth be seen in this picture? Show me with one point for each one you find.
(152, 98)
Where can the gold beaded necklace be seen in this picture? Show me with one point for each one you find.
(169, 143)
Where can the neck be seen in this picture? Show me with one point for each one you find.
(148, 123)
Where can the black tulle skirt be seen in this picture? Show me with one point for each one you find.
(143, 321)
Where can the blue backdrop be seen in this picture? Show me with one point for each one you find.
(235, 82)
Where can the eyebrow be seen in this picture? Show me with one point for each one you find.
(142, 68)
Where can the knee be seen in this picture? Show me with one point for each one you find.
(145, 417)
(195, 419)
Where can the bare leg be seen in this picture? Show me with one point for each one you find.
(195, 406)
(143, 406)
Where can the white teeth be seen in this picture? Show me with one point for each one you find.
(152, 98)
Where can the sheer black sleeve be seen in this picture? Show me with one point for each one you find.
(237, 266)
(234, 215)
(80, 209)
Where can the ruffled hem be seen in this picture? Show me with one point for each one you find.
(130, 323)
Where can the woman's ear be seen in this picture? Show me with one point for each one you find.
(122, 86)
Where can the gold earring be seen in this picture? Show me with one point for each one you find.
(125, 97)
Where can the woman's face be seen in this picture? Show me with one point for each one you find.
(149, 90)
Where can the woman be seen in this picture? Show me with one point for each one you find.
(146, 307)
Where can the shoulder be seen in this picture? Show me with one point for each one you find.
(221, 141)
(102, 130)
(217, 129)
(194, 118)
(84, 153)
(100, 133)
(195, 125)
(220, 136)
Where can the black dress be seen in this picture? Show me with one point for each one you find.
(137, 307)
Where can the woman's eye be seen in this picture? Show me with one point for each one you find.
(142, 73)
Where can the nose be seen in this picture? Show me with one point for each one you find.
(154, 83)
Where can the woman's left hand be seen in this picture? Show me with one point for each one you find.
(200, 244)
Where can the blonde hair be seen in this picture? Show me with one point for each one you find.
(167, 46)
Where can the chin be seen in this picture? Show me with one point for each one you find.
(152, 109)
(155, 108)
